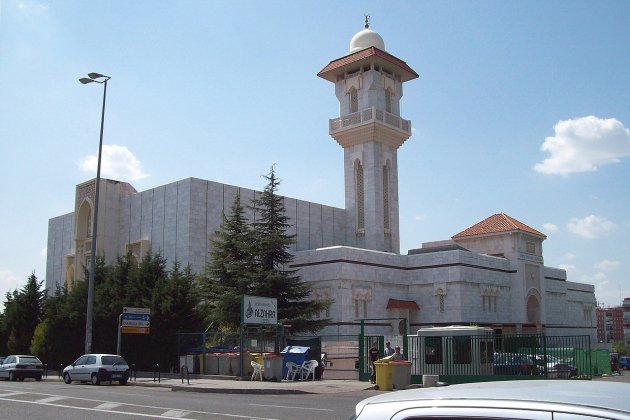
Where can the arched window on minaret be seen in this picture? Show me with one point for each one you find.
(386, 171)
(354, 100)
(388, 100)
(358, 174)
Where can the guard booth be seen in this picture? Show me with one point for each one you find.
(452, 351)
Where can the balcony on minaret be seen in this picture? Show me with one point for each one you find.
(352, 128)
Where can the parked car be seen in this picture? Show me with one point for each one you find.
(2, 359)
(18, 367)
(624, 362)
(562, 399)
(513, 364)
(553, 367)
(96, 368)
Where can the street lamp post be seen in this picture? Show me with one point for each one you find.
(94, 78)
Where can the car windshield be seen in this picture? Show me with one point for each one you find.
(111, 360)
(29, 359)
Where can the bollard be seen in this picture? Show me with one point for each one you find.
(187, 375)
(134, 372)
(60, 372)
(156, 369)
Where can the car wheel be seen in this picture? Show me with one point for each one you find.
(12, 376)
(21, 379)
(66, 378)
(123, 382)
(38, 378)
(95, 380)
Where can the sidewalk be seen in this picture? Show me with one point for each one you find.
(230, 385)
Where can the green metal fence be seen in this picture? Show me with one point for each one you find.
(472, 358)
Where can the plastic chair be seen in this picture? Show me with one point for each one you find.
(292, 370)
(308, 368)
(258, 370)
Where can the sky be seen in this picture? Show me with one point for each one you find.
(522, 107)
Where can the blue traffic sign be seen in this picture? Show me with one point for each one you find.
(139, 317)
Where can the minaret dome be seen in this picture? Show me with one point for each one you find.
(365, 39)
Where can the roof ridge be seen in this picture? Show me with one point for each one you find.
(497, 223)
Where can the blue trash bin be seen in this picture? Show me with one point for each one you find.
(295, 354)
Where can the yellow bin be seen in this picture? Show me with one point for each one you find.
(384, 376)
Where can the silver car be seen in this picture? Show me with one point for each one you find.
(525, 399)
(18, 367)
(96, 368)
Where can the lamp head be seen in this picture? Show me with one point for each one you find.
(95, 75)
(85, 80)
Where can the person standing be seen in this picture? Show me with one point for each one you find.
(388, 349)
(398, 355)
(374, 354)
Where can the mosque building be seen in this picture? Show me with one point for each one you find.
(491, 274)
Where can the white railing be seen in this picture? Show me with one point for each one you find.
(368, 115)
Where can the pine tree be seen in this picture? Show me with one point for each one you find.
(228, 274)
(272, 276)
(24, 310)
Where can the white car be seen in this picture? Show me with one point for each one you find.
(525, 399)
(96, 368)
(18, 367)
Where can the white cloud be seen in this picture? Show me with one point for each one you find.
(591, 227)
(583, 144)
(420, 217)
(569, 268)
(550, 228)
(607, 265)
(568, 256)
(44, 252)
(117, 163)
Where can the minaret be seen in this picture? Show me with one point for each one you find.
(368, 84)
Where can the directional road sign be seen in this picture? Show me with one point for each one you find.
(136, 320)
(129, 310)
(135, 330)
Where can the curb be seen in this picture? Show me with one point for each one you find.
(256, 391)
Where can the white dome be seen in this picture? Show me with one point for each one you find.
(365, 39)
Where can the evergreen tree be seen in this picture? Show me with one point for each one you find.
(228, 274)
(173, 309)
(24, 310)
(272, 275)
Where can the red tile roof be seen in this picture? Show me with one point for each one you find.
(402, 304)
(333, 68)
(497, 223)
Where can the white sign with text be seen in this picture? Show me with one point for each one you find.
(259, 310)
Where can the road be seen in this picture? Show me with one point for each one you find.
(48, 400)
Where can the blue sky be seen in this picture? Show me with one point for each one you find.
(522, 107)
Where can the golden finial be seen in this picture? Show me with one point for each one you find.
(367, 21)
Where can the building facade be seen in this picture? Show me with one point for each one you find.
(491, 274)
(610, 324)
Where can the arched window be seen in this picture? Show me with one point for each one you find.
(388, 100)
(89, 225)
(354, 100)
(358, 172)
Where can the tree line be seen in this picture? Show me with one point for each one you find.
(247, 257)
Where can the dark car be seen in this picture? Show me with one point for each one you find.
(513, 364)
(96, 368)
(18, 367)
(554, 367)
